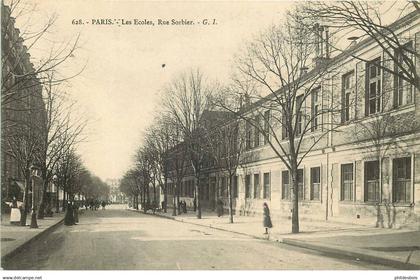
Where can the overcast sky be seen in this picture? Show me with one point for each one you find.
(118, 90)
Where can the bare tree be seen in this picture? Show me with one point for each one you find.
(226, 145)
(24, 141)
(293, 117)
(187, 99)
(366, 21)
(129, 186)
(61, 132)
(14, 54)
(158, 142)
(144, 171)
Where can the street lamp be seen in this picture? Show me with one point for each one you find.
(57, 202)
(34, 173)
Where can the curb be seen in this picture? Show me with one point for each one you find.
(31, 240)
(353, 253)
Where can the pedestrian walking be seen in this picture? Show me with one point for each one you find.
(184, 206)
(219, 208)
(69, 216)
(76, 212)
(267, 220)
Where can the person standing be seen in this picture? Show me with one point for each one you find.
(267, 219)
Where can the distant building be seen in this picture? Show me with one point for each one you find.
(115, 195)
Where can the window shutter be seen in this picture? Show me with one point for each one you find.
(367, 89)
(343, 100)
(395, 84)
(335, 194)
(387, 85)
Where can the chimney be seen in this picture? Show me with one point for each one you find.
(322, 48)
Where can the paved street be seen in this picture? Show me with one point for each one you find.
(119, 239)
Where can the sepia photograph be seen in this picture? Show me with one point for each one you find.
(147, 137)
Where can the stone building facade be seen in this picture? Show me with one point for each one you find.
(22, 106)
(366, 171)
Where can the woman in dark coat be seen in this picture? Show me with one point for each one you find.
(267, 220)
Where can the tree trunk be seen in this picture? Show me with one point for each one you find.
(174, 202)
(147, 195)
(165, 196)
(177, 198)
(142, 199)
(295, 197)
(230, 200)
(154, 195)
(137, 201)
(198, 196)
(25, 199)
(57, 203)
(41, 209)
(64, 199)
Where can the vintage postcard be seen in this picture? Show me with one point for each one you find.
(279, 136)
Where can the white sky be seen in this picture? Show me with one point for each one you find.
(118, 91)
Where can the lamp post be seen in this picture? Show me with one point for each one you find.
(57, 195)
(34, 172)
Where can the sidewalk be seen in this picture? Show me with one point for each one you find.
(392, 247)
(14, 237)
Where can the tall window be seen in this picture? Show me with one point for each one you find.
(373, 90)
(235, 186)
(256, 185)
(301, 195)
(257, 132)
(347, 181)
(266, 126)
(372, 190)
(267, 189)
(403, 89)
(401, 189)
(285, 185)
(316, 103)
(315, 183)
(248, 132)
(299, 113)
(247, 186)
(347, 97)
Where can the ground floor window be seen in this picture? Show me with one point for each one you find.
(347, 181)
(315, 183)
(372, 189)
(256, 185)
(247, 186)
(401, 189)
(267, 188)
(285, 185)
